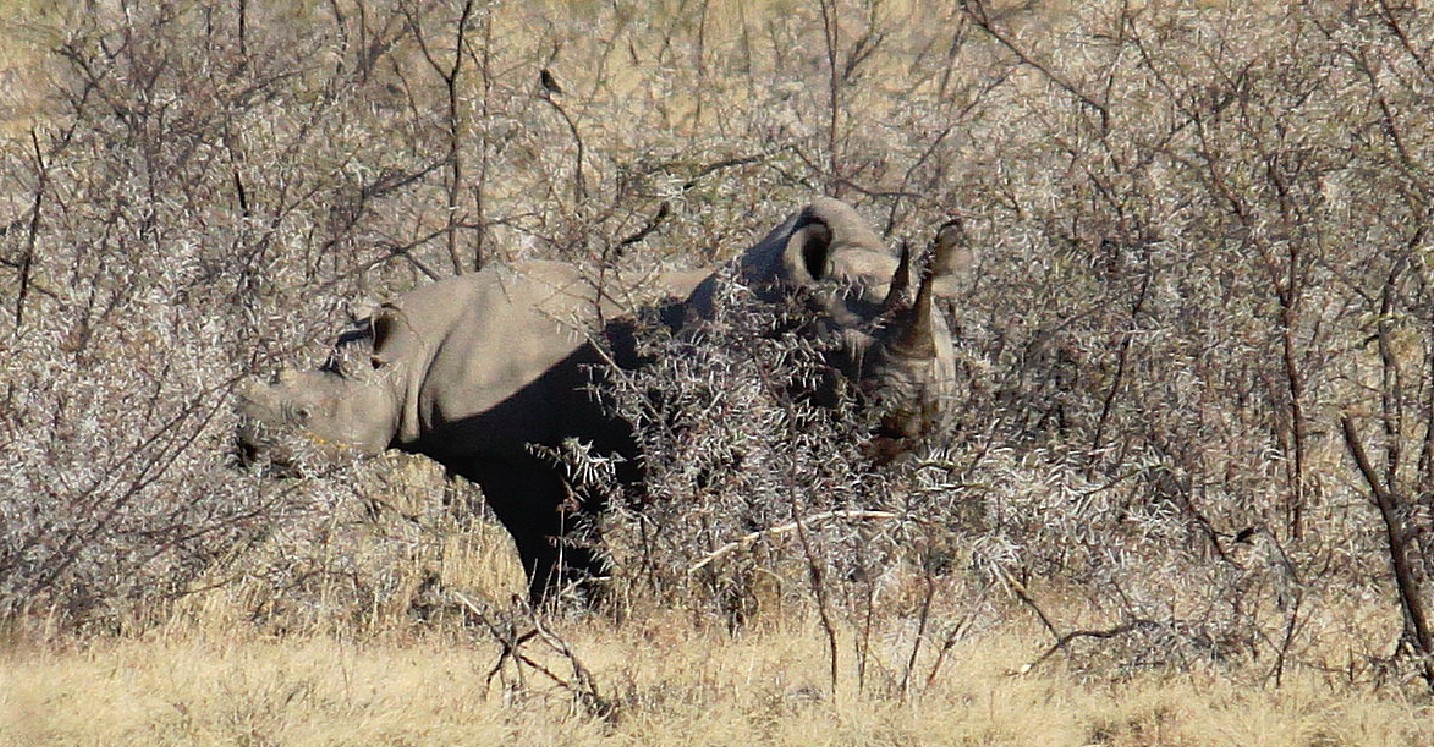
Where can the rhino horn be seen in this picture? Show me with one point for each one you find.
(900, 280)
(914, 337)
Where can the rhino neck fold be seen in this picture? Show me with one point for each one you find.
(403, 385)
(372, 412)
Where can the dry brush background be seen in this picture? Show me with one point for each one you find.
(1197, 336)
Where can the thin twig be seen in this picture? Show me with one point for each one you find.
(1066, 639)
(580, 188)
(751, 537)
(976, 11)
(663, 211)
(27, 259)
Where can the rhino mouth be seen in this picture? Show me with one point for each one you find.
(257, 461)
(258, 455)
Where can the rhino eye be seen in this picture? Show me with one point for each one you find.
(300, 414)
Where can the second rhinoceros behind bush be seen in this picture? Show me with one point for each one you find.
(474, 370)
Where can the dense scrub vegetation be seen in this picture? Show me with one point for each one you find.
(1196, 326)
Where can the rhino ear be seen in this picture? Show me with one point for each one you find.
(250, 390)
(808, 249)
(385, 324)
(944, 247)
(951, 256)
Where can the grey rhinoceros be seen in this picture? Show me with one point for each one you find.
(474, 370)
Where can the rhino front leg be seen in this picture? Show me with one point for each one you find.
(529, 498)
(551, 565)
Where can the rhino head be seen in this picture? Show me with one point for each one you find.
(854, 289)
(301, 415)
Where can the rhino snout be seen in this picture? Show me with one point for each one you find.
(251, 452)
(246, 453)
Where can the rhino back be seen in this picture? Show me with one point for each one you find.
(490, 361)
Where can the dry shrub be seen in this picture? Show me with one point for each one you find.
(731, 450)
(1201, 247)
(194, 198)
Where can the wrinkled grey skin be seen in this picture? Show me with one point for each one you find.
(472, 370)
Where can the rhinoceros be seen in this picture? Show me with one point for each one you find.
(475, 370)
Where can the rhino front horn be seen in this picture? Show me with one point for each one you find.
(914, 337)
(900, 280)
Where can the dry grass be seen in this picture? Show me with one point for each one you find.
(670, 685)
